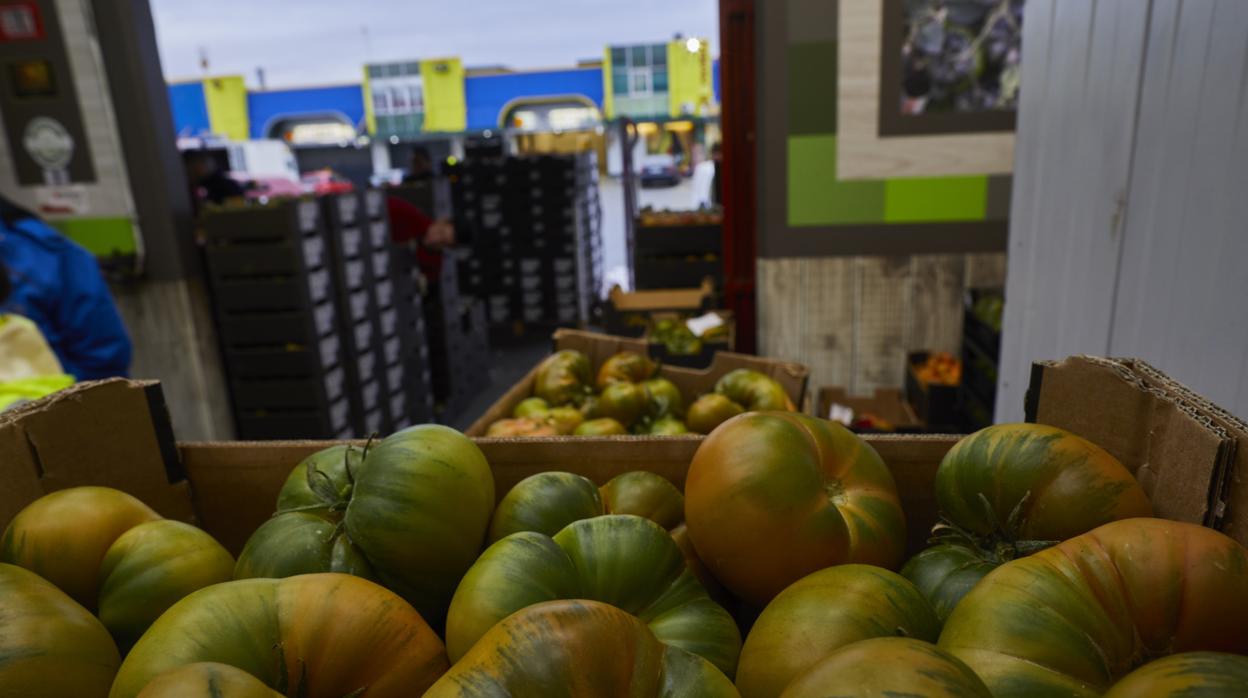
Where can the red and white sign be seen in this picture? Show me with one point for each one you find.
(20, 21)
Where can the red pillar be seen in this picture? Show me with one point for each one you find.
(738, 121)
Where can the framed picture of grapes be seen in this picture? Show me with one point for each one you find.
(949, 66)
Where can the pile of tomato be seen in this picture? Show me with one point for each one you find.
(780, 570)
(629, 397)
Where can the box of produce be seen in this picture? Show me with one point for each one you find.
(631, 314)
(597, 385)
(779, 554)
(885, 411)
(690, 340)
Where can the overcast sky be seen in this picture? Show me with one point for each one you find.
(316, 42)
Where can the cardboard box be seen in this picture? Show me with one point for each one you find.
(230, 488)
(704, 358)
(692, 382)
(629, 314)
(116, 433)
(1181, 457)
(888, 404)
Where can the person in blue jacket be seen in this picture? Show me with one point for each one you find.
(58, 285)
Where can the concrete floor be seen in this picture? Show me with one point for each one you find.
(509, 363)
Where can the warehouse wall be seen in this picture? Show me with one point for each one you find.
(1130, 222)
(853, 273)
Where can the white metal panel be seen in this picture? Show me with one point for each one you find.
(1183, 296)
(1177, 291)
(1081, 74)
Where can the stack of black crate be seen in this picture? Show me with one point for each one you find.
(397, 286)
(459, 345)
(677, 255)
(274, 294)
(981, 355)
(536, 242)
(360, 320)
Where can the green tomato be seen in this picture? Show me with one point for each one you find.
(531, 408)
(625, 561)
(668, 426)
(601, 427)
(624, 402)
(663, 398)
(151, 567)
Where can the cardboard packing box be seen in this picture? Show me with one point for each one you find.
(692, 382)
(888, 404)
(629, 314)
(116, 433)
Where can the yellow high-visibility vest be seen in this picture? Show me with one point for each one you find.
(28, 367)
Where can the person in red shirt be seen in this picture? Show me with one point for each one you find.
(409, 224)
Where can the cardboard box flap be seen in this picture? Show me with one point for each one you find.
(1175, 453)
(1231, 489)
(666, 299)
(113, 433)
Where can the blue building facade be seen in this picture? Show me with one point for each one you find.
(488, 98)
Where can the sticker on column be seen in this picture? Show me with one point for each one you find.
(63, 200)
(49, 144)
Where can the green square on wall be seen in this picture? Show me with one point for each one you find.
(815, 195)
(936, 199)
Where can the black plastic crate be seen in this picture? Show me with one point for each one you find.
(343, 210)
(377, 233)
(660, 273)
(379, 264)
(330, 422)
(653, 241)
(986, 337)
(284, 220)
(259, 329)
(292, 361)
(275, 294)
(979, 373)
(286, 258)
(973, 413)
(305, 392)
(374, 204)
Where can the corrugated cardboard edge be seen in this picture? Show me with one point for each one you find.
(661, 299)
(1178, 456)
(1230, 496)
(599, 347)
(113, 433)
